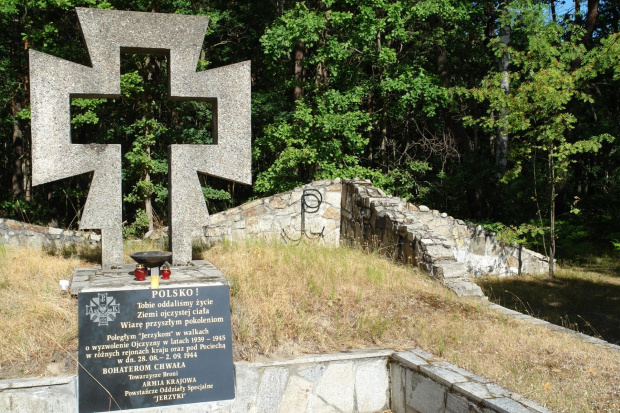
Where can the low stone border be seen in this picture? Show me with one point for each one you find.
(45, 395)
(20, 234)
(420, 384)
(357, 381)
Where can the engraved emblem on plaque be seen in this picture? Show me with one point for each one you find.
(103, 309)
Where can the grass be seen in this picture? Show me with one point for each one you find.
(307, 299)
(579, 299)
(36, 320)
(293, 300)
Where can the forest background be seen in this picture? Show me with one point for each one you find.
(504, 113)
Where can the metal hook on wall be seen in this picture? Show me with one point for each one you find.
(311, 201)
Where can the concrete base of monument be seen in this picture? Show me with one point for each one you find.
(200, 273)
(154, 343)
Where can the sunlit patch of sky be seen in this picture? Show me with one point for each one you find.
(566, 9)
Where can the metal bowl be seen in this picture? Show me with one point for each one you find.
(152, 259)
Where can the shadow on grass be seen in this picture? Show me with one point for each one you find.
(589, 304)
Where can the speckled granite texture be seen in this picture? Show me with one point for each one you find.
(54, 81)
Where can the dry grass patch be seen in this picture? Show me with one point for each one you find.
(36, 319)
(307, 299)
(290, 300)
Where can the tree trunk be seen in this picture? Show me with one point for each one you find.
(501, 146)
(27, 179)
(553, 15)
(384, 116)
(300, 51)
(17, 178)
(591, 18)
(148, 206)
(552, 215)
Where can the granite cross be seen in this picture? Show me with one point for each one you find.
(55, 81)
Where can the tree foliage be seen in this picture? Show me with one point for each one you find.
(406, 93)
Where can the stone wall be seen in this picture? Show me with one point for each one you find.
(356, 381)
(20, 234)
(279, 217)
(448, 249)
(352, 211)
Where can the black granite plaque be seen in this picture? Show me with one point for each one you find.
(147, 348)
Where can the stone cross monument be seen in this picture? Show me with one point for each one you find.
(55, 81)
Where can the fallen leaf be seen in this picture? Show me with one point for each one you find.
(547, 386)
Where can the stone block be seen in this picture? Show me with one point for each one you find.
(331, 213)
(411, 360)
(422, 394)
(246, 388)
(533, 407)
(424, 354)
(271, 389)
(497, 390)
(251, 204)
(332, 198)
(260, 210)
(54, 231)
(213, 232)
(478, 246)
(312, 373)
(506, 405)
(458, 404)
(265, 224)
(397, 388)
(296, 395)
(217, 219)
(232, 211)
(13, 224)
(372, 386)
(439, 253)
(442, 376)
(279, 202)
(53, 398)
(472, 390)
(318, 405)
(336, 386)
(461, 371)
(295, 196)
